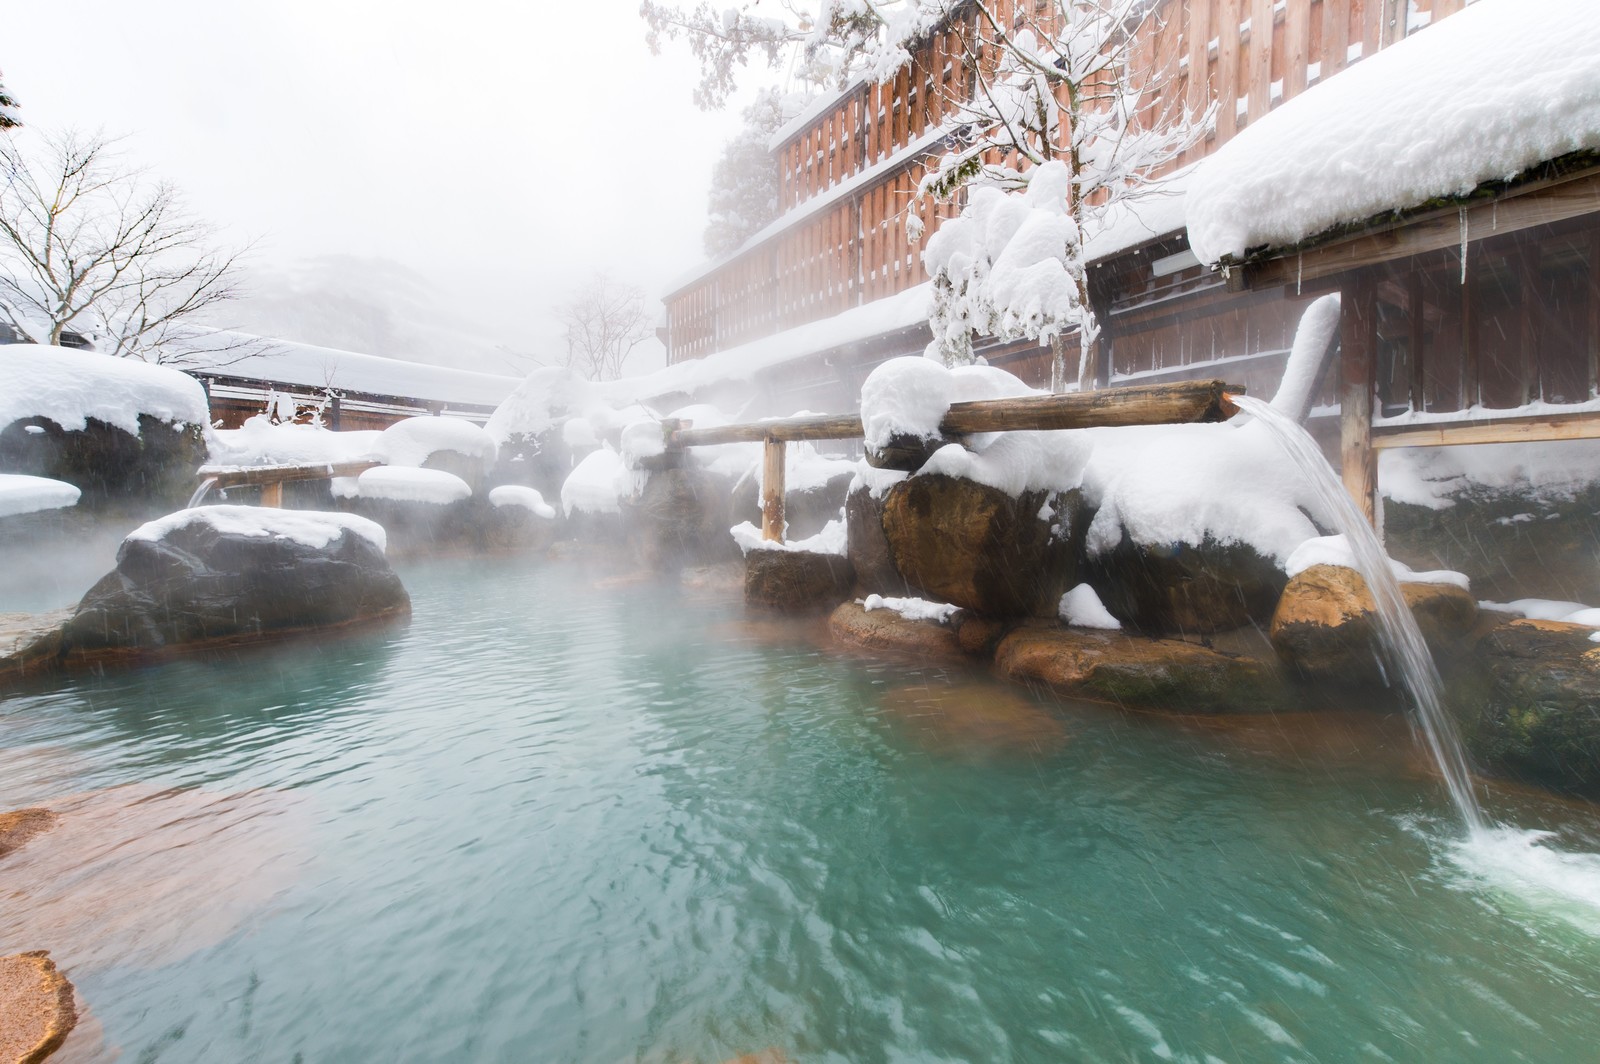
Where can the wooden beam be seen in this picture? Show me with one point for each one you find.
(272, 494)
(1542, 428)
(1358, 341)
(1538, 204)
(772, 490)
(253, 476)
(1142, 404)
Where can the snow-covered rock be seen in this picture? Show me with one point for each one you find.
(415, 440)
(527, 498)
(405, 485)
(70, 387)
(1483, 95)
(597, 485)
(21, 494)
(235, 573)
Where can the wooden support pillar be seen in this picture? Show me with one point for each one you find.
(272, 494)
(1358, 342)
(772, 491)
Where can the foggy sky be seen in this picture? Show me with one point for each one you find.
(500, 150)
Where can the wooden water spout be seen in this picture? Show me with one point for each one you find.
(1142, 404)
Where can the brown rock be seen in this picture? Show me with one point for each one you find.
(36, 1008)
(977, 547)
(1181, 588)
(30, 642)
(795, 580)
(969, 716)
(1538, 712)
(1139, 672)
(869, 547)
(1325, 624)
(18, 827)
(885, 630)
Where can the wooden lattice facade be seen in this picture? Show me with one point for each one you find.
(849, 174)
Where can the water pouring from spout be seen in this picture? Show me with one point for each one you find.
(1401, 641)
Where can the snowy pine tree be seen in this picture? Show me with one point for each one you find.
(744, 182)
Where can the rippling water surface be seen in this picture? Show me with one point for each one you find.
(555, 821)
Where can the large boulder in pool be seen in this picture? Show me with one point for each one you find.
(681, 517)
(450, 445)
(868, 545)
(117, 428)
(1537, 713)
(975, 546)
(1174, 588)
(1325, 626)
(235, 574)
(795, 581)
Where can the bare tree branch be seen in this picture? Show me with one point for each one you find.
(604, 322)
(91, 243)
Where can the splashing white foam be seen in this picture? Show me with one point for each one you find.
(1524, 865)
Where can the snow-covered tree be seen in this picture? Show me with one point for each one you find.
(89, 243)
(9, 119)
(1046, 82)
(604, 321)
(744, 182)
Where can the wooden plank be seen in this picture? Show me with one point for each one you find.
(1594, 313)
(1335, 37)
(1226, 31)
(1419, 379)
(1297, 47)
(1541, 429)
(1358, 336)
(272, 495)
(251, 476)
(772, 490)
(1259, 68)
(1144, 404)
(1199, 86)
(1517, 210)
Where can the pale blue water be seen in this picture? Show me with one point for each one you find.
(547, 821)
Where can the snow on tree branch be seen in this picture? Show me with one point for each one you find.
(9, 119)
(744, 183)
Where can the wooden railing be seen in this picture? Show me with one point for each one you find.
(1151, 404)
(849, 176)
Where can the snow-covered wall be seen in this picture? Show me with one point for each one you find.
(1483, 95)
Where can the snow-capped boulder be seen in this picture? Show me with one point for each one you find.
(113, 427)
(21, 494)
(682, 517)
(868, 545)
(445, 444)
(852, 625)
(235, 573)
(1325, 627)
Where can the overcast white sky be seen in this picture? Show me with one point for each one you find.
(504, 150)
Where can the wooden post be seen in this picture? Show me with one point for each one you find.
(772, 491)
(1358, 339)
(272, 494)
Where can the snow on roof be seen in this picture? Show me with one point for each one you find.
(69, 386)
(310, 366)
(1480, 96)
(20, 494)
(312, 528)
